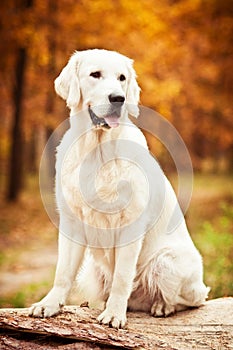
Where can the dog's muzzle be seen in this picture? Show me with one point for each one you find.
(111, 114)
(96, 120)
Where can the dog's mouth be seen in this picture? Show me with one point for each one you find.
(112, 120)
(108, 121)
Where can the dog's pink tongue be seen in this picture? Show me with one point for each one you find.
(112, 121)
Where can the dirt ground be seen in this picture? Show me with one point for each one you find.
(28, 249)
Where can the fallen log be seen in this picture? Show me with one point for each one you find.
(208, 327)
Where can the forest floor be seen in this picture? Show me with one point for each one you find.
(28, 249)
(28, 241)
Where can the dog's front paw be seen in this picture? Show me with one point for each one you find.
(113, 319)
(43, 309)
(50, 305)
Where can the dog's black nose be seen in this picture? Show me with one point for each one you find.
(116, 100)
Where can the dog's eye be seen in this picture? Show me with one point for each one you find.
(122, 77)
(96, 75)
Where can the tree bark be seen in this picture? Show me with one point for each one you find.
(208, 327)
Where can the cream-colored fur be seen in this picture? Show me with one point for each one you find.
(143, 267)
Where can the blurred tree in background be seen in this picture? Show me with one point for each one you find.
(183, 56)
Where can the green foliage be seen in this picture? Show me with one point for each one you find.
(215, 241)
(2, 258)
(25, 295)
(17, 300)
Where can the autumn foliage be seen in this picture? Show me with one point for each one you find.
(183, 57)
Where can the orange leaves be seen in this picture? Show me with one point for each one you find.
(182, 51)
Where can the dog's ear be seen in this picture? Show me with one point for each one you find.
(133, 92)
(67, 83)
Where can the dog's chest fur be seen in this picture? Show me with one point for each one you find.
(96, 179)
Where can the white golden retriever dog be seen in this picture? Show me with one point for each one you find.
(124, 243)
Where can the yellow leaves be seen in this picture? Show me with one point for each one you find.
(170, 89)
(161, 94)
(184, 7)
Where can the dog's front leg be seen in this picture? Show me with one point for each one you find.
(125, 270)
(70, 255)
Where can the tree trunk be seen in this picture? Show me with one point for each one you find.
(16, 153)
(208, 327)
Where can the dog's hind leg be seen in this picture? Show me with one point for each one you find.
(178, 287)
(170, 283)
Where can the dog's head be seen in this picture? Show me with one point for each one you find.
(104, 82)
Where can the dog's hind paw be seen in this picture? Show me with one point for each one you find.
(160, 309)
